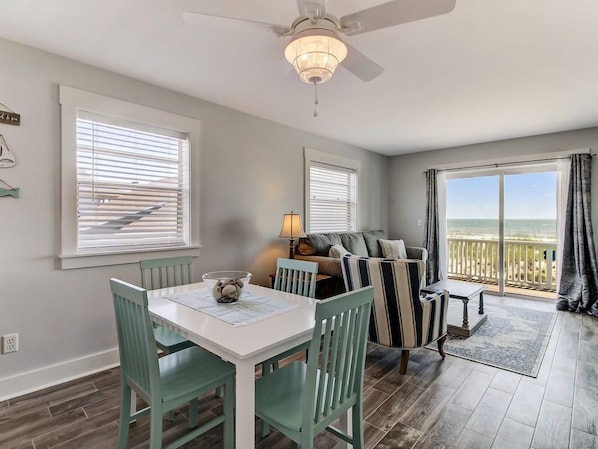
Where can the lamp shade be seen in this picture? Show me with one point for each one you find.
(291, 226)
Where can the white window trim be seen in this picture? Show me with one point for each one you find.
(71, 100)
(311, 155)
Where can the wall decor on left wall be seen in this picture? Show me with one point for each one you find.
(7, 157)
(11, 191)
(9, 116)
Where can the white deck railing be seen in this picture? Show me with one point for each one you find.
(528, 264)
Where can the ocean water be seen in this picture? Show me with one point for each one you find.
(515, 229)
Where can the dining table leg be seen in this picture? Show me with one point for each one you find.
(245, 406)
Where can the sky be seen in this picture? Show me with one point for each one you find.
(527, 196)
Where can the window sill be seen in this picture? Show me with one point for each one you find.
(74, 261)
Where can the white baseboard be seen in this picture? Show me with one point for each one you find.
(48, 376)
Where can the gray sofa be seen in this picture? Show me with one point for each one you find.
(316, 247)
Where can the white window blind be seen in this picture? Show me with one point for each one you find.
(332, 198)
(132, 185)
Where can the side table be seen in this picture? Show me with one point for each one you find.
(322, 285)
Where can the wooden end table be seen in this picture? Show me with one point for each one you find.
(463, 291)
(322, 285)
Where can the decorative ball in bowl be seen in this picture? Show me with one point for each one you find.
(227, 286)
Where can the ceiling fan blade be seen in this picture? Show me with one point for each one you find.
(312, 8)
(360, 65)
(196, 18)
(393, 13)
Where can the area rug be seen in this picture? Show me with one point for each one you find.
(512, 338)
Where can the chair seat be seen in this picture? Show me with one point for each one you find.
(190, 370)
(169, 341)
(278, 395)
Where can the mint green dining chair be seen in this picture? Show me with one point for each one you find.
(167, 382)
(162, 273)
(303, 399)
(298, 277)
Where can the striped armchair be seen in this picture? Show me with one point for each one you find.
(401, 317)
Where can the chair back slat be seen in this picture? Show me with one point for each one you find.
(336, 360)
(296, 276)
(166, 272)
(137, 347)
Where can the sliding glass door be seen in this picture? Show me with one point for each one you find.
(501, 228)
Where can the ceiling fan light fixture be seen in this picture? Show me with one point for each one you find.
(315, 54)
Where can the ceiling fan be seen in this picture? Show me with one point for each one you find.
(315, 34)
(315, 48)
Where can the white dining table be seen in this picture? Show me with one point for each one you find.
(245, 346)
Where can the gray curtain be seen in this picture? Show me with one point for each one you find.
(578, 288)
(432, 231)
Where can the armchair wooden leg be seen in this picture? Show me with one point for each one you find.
(404, 361)
(440, 342)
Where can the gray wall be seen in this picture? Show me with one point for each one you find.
(65, 318)
(407, 182)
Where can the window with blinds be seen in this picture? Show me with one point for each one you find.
(132, 185)
(332, 198)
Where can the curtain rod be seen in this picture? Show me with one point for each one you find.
(501, 164)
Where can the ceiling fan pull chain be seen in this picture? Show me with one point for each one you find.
(316, 99)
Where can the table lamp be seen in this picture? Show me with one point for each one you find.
(291, 229)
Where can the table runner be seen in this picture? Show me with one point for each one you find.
(249, 309)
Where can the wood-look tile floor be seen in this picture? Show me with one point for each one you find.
(453, 403)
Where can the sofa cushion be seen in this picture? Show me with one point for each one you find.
(354, 243)
(321, 243)
(393, 249)
(337, 251)
(371, 241)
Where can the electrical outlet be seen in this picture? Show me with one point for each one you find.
(10, 343)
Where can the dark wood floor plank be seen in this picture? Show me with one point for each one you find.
(585, 410)
(526, 402)
(103, 435)
(82, 400)
(43, 399)
(27, 427)
(372, 400)
(432, 370)
(392, 381)
(513, 435)
(372, 435)
(445, 430)
(391, 358)
(388, 414)
(75, 430)
(553, 427)
(426, 409)
(489, 413)
(400, 437)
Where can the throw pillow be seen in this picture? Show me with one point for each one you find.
(354, 243)
(337, 251)
(393, 249)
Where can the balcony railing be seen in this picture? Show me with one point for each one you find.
(528, 264)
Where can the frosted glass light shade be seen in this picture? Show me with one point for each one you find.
(315, 54)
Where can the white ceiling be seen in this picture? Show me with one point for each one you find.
(489, 70)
